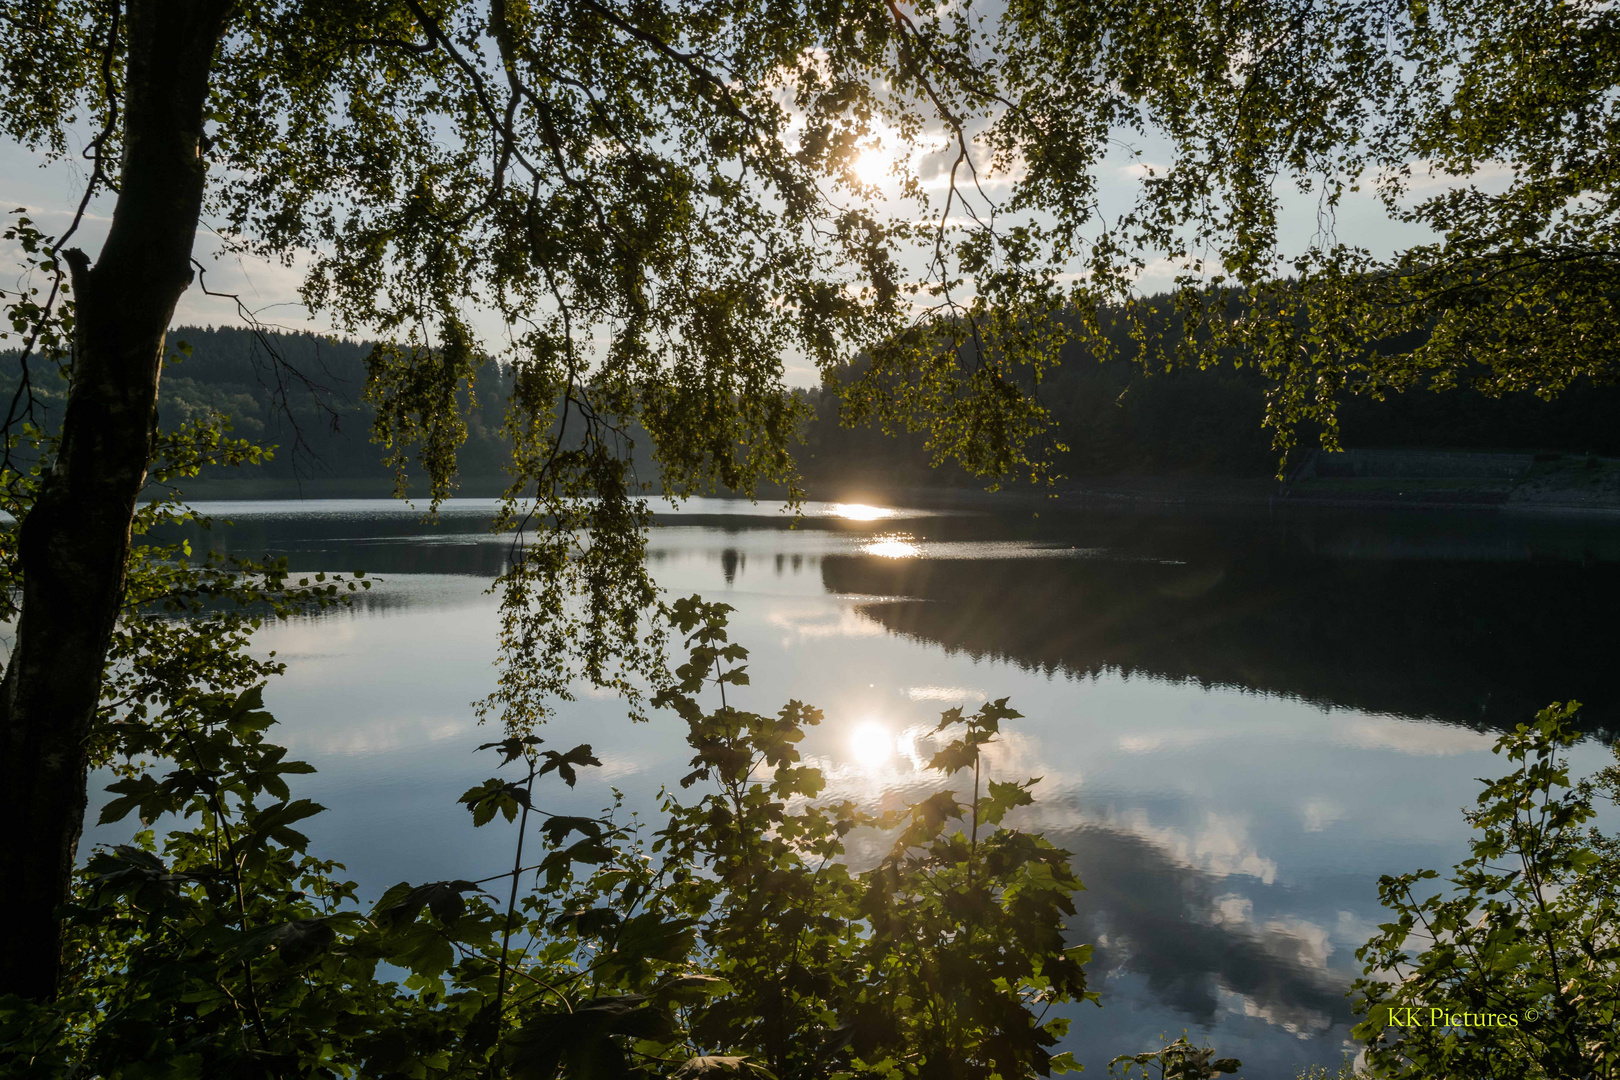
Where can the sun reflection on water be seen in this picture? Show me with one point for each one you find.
(861, 511)
(893, 546)
(871, 745)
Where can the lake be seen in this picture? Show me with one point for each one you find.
(1241, 717)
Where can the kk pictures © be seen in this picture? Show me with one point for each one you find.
(1416, 1016)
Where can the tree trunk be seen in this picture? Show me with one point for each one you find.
(75, 541)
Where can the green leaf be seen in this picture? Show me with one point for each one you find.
(565, 764)
(142, 791)
(582, 1040)
(272, 823)
(493, 796)
(296, 941)
(559, 826)
(650, 936)
(401, 904)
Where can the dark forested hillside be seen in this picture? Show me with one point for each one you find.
(1118, 419)
(1115, 418)
(304, 402)
(309, 404)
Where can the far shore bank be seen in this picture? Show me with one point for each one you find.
(1492, 482)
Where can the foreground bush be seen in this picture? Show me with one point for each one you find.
(732, 939)
(1512, 971)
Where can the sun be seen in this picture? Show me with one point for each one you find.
(871, 745)
(871, 167)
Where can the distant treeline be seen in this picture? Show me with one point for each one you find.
(302, 397)
(1118, 420)
(1115, 419)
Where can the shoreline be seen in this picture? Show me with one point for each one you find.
(1160, 492)
(1548, 493)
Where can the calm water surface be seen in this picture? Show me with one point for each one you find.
(1240, 719)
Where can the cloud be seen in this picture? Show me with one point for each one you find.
(816, 622)
(1194, 938)
(1317, 814)
(1233, 910)
(945, 693)
(1427, 176)
(1138, 170)
(382, 735)
(1412, 737)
